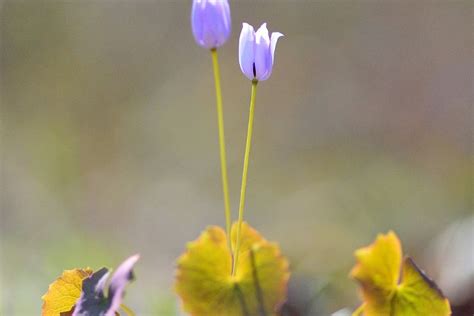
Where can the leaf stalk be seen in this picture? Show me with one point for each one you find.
(222, 147)
(244, 174)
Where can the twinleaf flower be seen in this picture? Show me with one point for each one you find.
(211, 23)
(256, 56)
(257, 51)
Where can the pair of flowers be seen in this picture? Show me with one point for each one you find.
(211, 25)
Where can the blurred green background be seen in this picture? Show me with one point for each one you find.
(109, 142)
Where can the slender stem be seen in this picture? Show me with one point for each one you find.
(220, 123)
(127, 310)
(244, 174)
(359, 310)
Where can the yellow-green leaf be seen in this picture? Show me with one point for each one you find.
(378, 271)
(63, 293)
(205, 283)
(387, 293)
(419, 295)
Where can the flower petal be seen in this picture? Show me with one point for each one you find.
(197, 20)
(263, 58)
(247, 50)
(217, 23)
(122, 276)
(211, 23)
(274, 40)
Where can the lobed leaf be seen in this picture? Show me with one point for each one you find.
(63, 293)
(205, 283)
(390, 288)
(419, 295)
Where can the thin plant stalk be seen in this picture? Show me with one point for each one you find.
(358, 311)
(243, 188)
(127, 310)
(222, 150)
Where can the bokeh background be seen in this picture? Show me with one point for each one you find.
(109, 142)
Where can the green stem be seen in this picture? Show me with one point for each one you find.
(358, 311)
(220, 123)
(244, 174)
(127, 310)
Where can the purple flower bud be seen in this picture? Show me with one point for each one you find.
(210, 20)
(257, 51)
